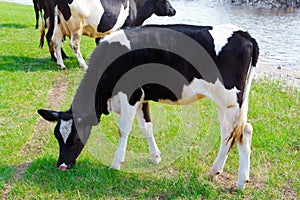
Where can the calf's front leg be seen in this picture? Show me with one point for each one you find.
(127, 113)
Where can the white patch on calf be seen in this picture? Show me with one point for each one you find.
(199, 88)
(65, 129)
(221, 33)
(118, 36)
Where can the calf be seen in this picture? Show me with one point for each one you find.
(98, 18)
(212, 61)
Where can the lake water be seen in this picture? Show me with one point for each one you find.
(277, 32)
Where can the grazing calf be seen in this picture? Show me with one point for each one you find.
(222, 69)
(96, 18)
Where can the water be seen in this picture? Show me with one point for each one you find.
(277, 32)
(25, 2)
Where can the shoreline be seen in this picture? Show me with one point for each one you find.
(289, 76)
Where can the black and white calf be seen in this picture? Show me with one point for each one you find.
(234, 54)
(96, 18)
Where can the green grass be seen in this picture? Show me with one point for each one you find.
(26, 76)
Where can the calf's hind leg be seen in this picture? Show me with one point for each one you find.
(146, 126)
(227, 118)
(244, 156)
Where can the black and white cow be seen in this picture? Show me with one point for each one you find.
(234, 54)
(38, 9)
(96, 18)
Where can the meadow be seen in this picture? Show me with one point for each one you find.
(29, 80)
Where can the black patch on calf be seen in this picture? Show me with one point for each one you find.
(233, 63)
(153, 91)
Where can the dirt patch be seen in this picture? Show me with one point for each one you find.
(226, 179)
(35, 145)
(288, 191)
(38, 140)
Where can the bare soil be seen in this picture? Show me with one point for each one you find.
(35, 145)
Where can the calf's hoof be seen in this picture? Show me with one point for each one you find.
(62, 67)
(240, 185)
(84, 66)
(116, 166)
(156, 159)
(212, 175)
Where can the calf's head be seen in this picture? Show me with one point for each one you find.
(67, 134)
(163, 8)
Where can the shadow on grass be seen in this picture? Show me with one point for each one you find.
(12, 25)
(6, 172)
(26, 64)
(94, 180)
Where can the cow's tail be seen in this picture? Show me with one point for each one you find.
(42, 30)
(241, 120)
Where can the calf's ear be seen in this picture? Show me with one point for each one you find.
(49, 115)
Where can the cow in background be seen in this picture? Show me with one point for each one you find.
(45, 8)
(38, 11)
(95, 18)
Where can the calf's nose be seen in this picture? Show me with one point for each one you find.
(63, 167)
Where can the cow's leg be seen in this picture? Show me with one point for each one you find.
(227, 117)
(57, 41)
(75, 45)
(145, 124)
(42, 29)
(244, 156)
(127, 113)
(49, 37)
(36, 10)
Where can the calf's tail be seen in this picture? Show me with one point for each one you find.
(241, 119)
